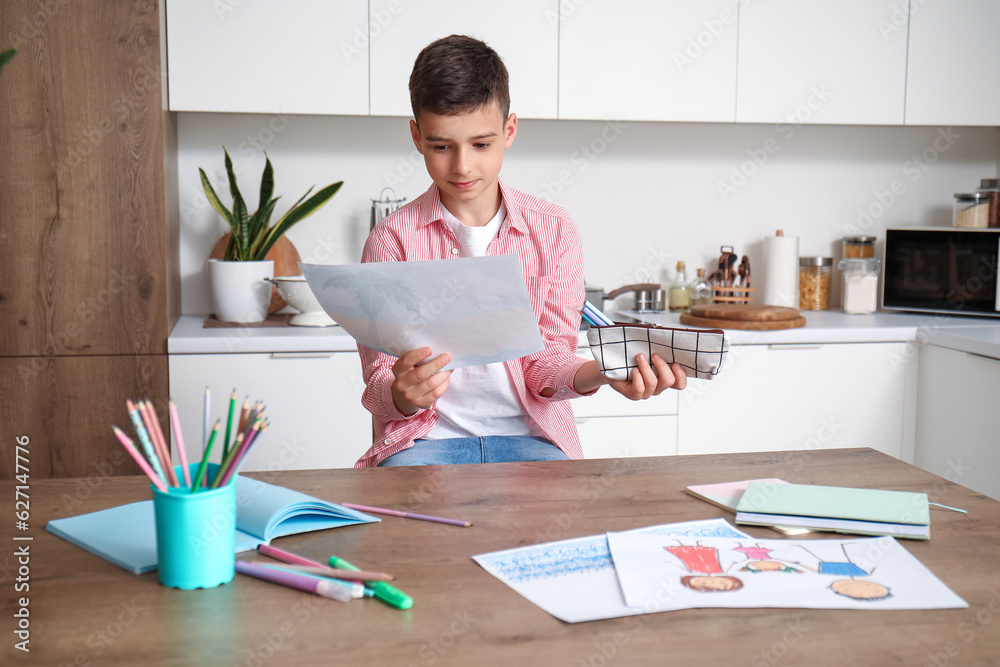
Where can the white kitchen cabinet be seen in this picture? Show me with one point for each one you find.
(958, 422)
(313, 404)
(803, 397)
(524, 32)
(816, 61)
(666, 60)
(611, 426)
(268, 56)
(953, 55)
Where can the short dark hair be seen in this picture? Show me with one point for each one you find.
(456, 75)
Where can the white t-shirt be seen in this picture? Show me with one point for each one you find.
(481, 400)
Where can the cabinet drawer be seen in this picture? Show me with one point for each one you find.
(614, 437)
(313, 404)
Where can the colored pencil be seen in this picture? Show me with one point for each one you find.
(408, 515)
(327, 589)
(204, 428)
(351, 575)
(587, 317)
(204, 461)
(596, 313)
(243, 413)
(159, 442)
(287, 556)
(229, 423)
(238, 453)
(176, 423)
(147, 446)
(143, 464)
(357, 590)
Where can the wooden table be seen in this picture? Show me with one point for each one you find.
(86, 611)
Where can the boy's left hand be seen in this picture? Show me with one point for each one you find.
(645, 382)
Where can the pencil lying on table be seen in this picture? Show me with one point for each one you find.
(351, 575)
(407, 515)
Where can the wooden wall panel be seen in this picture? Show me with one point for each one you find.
(83, 233)
(88, 257)
(66, 406)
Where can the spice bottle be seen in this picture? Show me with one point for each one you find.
(701, 290)
(680, 292)
(859, 246)
(860, 285)
(814, 282)
(991, 187)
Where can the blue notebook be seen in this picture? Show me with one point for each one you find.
(126, 535)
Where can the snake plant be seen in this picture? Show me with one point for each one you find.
(252, 234)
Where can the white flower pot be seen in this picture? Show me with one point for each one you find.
(240, 290)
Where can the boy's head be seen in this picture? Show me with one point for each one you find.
(462, 123)
(458, 75)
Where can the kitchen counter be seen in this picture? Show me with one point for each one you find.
(964, 334)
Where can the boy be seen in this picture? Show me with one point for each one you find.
(517, 410)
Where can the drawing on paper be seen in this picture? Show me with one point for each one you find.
(707, 575)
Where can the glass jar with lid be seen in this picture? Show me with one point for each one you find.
(814, 282)
(859, 246)
(860, 285)
(972, 210)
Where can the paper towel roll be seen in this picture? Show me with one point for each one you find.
(781, 270)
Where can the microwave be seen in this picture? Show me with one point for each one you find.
(942, 270)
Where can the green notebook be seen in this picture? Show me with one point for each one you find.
(836, 508)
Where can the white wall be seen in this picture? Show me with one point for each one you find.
(644, 194)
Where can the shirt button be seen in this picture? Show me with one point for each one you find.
(388, 442)
(454, 251)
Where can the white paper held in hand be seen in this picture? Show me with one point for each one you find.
(476, 309)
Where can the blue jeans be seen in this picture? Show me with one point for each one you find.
(489, 449)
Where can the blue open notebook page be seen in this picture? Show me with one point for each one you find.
(126, 535)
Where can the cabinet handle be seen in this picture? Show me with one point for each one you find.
(302, 355)
(793, 346)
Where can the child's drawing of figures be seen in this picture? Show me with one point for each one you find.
(372, 292)
(856, 589)
(758, 559)
(707, 575)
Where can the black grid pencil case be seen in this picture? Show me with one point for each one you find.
(701, 352)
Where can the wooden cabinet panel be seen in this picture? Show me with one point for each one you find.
(66, 406)
(82, 214)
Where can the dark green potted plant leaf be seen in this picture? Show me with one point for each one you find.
(239, 284)
(252, 234)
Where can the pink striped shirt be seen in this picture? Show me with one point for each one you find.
(547, 241)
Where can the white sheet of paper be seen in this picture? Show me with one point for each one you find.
(575, 580)
(474, 308)
(862, 573)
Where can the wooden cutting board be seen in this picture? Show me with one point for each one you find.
(752, 317)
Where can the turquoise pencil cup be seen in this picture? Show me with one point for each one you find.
(196, 533)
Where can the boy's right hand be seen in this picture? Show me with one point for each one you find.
(417, 387)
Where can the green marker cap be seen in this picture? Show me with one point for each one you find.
(383, 591)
